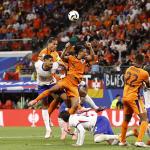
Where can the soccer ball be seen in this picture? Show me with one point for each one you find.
(73, 15)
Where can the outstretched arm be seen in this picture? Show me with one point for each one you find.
(65, 58)
(91, 56)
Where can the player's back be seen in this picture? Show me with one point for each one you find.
(134, 78)
(76, 67)
(87, 119)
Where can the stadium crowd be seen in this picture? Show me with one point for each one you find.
(117, 29)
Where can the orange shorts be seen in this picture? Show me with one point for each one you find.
(133, 106)
(70, 84)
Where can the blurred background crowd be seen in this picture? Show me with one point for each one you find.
(117, 29)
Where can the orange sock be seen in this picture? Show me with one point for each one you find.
(143, 128)
(53, 105)
(42, 95)
(124, 128)
(72, 110)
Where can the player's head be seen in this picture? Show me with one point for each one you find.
(147, 68)
(118, 96)
(139, 59)
(52, 44)
(80, 51)
(47, 59)
(65, 115)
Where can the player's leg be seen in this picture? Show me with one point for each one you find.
(124, 127)
(88, 99)
(74, 105)
(139, 109)
(45, 114)
(103, 130)
(63, 126)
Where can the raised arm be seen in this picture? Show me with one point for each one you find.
(65, 58)
(91, 56)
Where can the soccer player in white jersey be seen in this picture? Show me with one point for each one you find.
(84, 99)
(99, 126)
(45, 80)
(146, 94)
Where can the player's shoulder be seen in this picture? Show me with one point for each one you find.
(38, 63)
(138, 70)
(43, 51)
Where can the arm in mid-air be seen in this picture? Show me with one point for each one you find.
(63, 55)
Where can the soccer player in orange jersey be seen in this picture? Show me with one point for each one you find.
(76, 67)
(134, 77)
(43, 76)
(50, 50)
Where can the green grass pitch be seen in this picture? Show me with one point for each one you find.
(28, 138)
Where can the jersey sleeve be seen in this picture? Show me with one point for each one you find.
(54, 67)
(145, 76)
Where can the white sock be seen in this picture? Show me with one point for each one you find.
(104, 137)
(90, 101)
(129, 133)
(61, 122)
(46, 119)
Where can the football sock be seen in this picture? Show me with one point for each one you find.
(72, 110)
(46, 119)
(90, 102)
(142, 130)
(53, 105)
(42, 95)
(124, 128)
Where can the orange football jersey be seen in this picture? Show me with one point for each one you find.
(134, 77)
(54, 54)
(76, 67)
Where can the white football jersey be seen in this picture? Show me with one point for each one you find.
(44, 77)
(86, 119)
(146, 93)
(83, 121)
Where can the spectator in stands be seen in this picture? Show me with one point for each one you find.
(115, 101)
(8, 104)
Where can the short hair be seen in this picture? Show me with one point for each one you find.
(139, 58)
(65, 115)
(47, 57)
(78, 47)
(117, 95)
(51, 39)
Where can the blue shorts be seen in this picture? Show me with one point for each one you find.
(42, 88)
(62, 107)
(103, 126)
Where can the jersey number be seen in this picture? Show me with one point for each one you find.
(128, 77)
